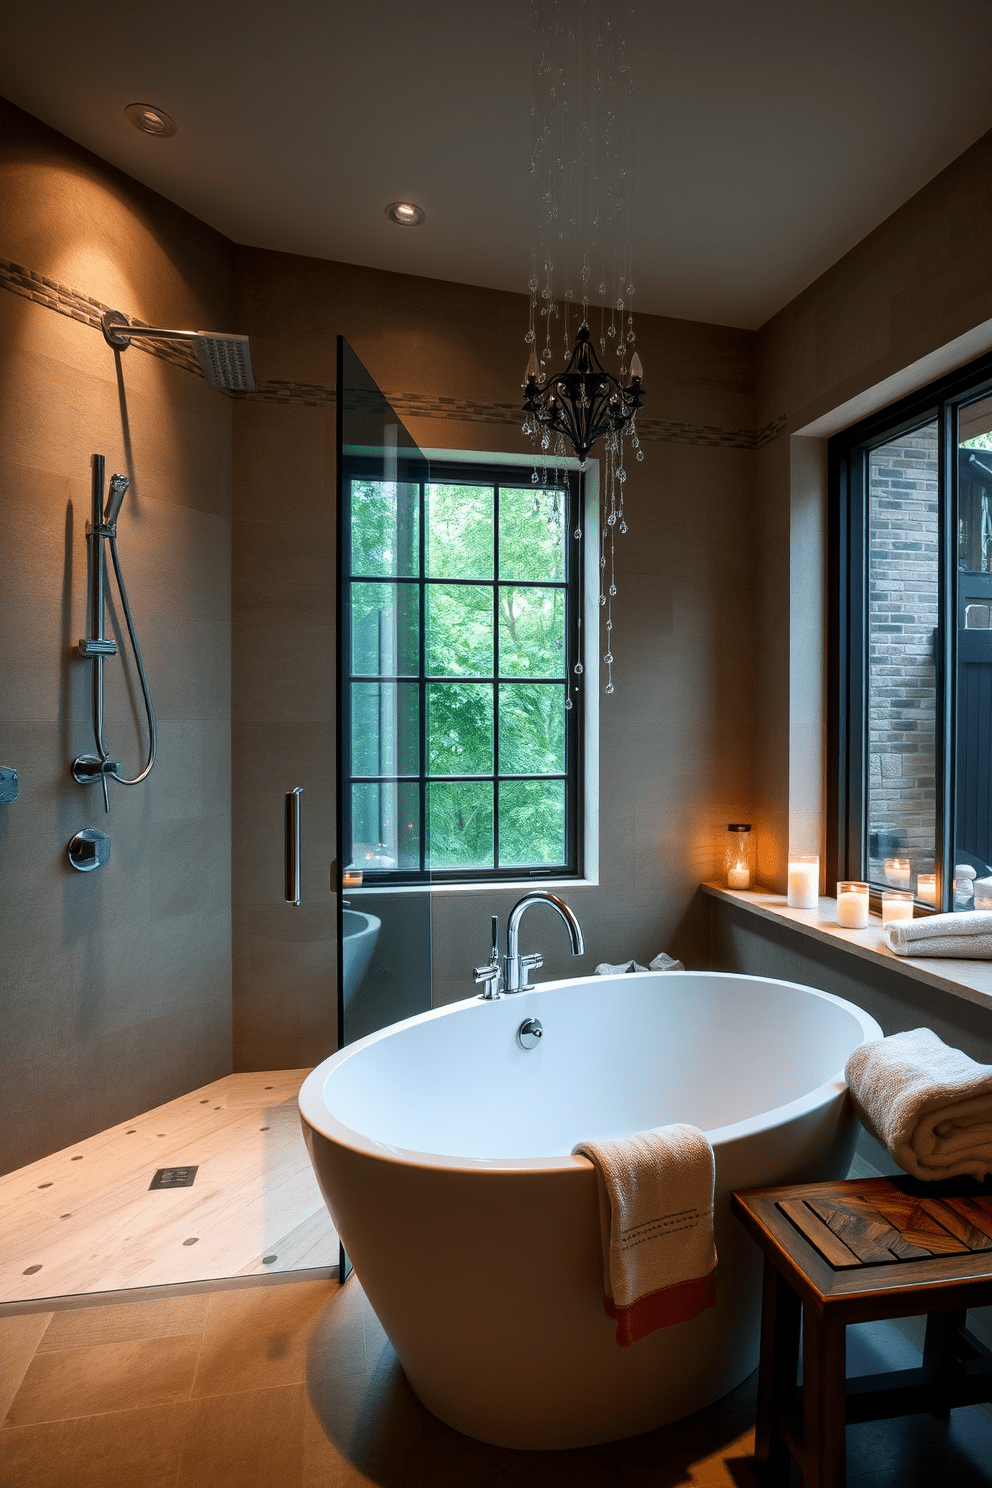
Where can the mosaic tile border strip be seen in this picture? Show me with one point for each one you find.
(67, 301)
(465, 410)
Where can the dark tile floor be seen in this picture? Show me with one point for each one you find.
(295, 1386)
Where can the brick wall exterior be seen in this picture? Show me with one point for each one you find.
(902, 607)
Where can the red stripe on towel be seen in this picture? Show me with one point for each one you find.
(660, 1309)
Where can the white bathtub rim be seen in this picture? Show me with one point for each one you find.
(318, 1116)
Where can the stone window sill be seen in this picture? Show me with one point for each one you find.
(971, 980)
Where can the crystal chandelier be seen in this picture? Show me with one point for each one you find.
(581, 287)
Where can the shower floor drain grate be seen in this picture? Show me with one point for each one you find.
(173, 1178)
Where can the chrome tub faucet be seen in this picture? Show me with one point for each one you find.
(512, 975)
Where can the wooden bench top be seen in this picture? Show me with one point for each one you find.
(862, 1237)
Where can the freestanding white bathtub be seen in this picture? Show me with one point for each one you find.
(442, 1149)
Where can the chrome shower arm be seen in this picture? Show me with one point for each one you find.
(151, 333)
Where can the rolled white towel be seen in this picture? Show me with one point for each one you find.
(967, 936)
(656, 1227)
(929, 1104)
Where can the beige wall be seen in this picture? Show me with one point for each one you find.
(115, 985)
(911, 301)
(676, 736)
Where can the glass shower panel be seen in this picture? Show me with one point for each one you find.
(384, 971)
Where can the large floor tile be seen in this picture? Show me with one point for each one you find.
(126, 1449)
(248, 1440)
(19, 1338)
(106, 1377)
(125, 1322)
(257, 1338)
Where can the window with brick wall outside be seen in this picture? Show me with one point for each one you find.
(911, 540)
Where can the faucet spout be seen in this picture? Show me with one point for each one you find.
(518, 966)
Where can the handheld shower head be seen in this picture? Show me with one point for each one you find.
(118, 487)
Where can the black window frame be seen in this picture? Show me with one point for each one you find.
(498, 474)
(848, 456)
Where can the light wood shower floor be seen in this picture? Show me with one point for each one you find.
(84, 1219)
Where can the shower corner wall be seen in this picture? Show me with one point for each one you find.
(114, 985)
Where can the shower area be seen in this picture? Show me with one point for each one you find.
(179, 954)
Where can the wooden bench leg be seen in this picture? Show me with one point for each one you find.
(940, 1352)
(824, 1405)
(777, 1374)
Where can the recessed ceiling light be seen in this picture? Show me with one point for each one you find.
(405, 214)
(149, 119)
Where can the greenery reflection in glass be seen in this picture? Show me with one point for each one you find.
(531, 632)
(459, 728)
(531, 729)
(385, 728)
(459, 630)
(460, 532)
(385, 528)
(460, 830)
(531, 822)
(385, 825)
(530, 547)
(385, 626)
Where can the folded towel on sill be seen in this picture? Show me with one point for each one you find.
(661, 962)
(929, 1104)
(967, 937)
(656, 1227)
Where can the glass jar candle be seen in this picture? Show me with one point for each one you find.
(804, 881)
(896, 905)
(739, 855)
(852, 906)
(898, 872)
(926, 887)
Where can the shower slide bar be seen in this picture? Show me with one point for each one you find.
(97, 647)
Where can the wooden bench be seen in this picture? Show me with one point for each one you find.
(855, 1252)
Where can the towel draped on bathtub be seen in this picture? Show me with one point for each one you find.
(656, 1227)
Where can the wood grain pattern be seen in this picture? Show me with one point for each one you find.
(859, 1226)
(916, 1219)
(84, 1221)
(980, 1218)
(819, 1234)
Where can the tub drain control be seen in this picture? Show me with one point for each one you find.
(530, 1033)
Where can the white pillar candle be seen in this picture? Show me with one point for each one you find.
(896, 906)
(926, 887)
(739, 878)
(804, 882)
(852, 906)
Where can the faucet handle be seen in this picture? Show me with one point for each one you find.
(529, 963)
(492, 977)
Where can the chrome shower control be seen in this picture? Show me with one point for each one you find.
(530, 1033)
(89, 849)
(89, 768)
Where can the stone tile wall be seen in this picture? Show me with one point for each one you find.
(114, 985)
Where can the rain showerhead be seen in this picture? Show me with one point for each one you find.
(118, 487)
(226, 360)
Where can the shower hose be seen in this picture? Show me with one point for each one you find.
(111, 539)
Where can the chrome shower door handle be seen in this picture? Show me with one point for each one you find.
(293, 888)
